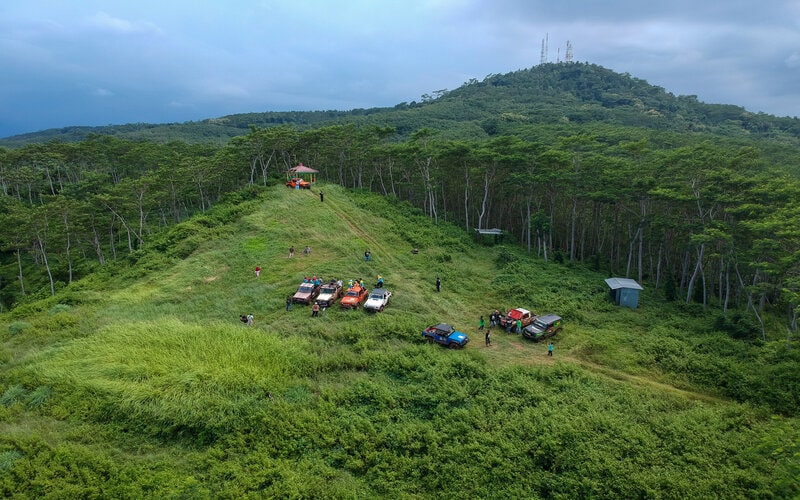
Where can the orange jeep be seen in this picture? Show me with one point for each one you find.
(295, 181)
(353, 297)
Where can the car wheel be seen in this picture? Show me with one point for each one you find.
(381, 309)
(429, 339)
(453, 345)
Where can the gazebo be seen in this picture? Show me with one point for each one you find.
(300, 170)
(624, 291)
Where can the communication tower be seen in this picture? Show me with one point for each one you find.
(545, 42)
(568, 55)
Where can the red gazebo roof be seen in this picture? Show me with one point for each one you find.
(302, 169)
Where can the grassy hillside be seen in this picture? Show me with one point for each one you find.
(142, 382)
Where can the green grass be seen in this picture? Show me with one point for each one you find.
(144, 384)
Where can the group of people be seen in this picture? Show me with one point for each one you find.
(494, 320)
(314, 280)
(306, 250)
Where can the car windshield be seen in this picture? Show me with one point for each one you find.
(377, 296)
(539, 324)
(352, 293)
(306, 288)
(327, 289)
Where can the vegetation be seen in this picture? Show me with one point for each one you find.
(125, 264)
(140, 380)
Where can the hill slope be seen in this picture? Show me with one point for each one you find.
(565, 93)
(142, 382)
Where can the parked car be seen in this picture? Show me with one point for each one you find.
(517, 314)
(328, 293)
(377, 300)
(353, 297)
(543, 327)
(446, 335)
(306, 293)
(293, 182)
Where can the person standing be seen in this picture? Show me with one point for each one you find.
(481, 323)
(519, 326)
(550, 349)
(321, 196)
(367, 255)
(291, 252)
(315, 310)
(250, 320)
(438, 284)
(488, 337)
(258, 271)
(288, 302)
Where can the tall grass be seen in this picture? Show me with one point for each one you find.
(147, 383)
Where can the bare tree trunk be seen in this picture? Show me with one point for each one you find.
(19, 268)
(487, 178)
(466, 198)
(697, 269)
(40, 244)
(97, 248)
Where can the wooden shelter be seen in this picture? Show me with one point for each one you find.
(302, 171)
(495, 232)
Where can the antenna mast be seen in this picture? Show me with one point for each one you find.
(568, 55)
(545, 42)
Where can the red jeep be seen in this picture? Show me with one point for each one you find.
(517, 314)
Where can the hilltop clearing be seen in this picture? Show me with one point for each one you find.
(140, 380)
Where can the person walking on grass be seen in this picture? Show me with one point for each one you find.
(488, 337)
(321, 196)
(438, 284)
(315, 310)
(291, 252)
(288, 302)
(481, 323)
(550, 349)
(258, 271)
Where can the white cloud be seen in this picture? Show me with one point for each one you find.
(117, 25)
(793, 61)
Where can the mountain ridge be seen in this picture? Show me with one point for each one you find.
(551, 93)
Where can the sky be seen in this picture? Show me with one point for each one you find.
(110, 62)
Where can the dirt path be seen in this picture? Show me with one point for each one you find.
(513, 350)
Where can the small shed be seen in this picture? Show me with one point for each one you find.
(496, 233)
(624, 291)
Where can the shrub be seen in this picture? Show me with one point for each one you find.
(18, 327)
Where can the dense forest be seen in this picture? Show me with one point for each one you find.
(695, 200)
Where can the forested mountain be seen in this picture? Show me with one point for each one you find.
(572, 161)
(553, 93)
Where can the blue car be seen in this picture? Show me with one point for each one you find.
(446, 335)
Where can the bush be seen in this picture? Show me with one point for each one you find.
(18, 327)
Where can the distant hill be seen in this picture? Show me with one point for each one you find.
(553, 93)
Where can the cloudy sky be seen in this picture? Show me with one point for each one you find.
(101, 62)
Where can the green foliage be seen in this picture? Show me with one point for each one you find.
(144, 383)
(737, 326)
(18, 326)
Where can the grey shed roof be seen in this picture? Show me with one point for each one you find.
(616, 283)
